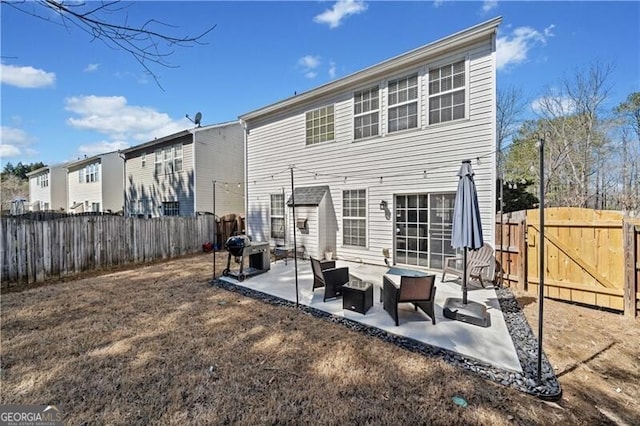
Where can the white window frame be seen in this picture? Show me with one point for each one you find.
(95, 207)
(90, 173)
(406, 102)
(157, 164)
(350, 193)
(44, 180)
(143, 159)
(325, 132)
(81, 175)
(368, 113)
(177, 155)
(274, 214)
(439, 66)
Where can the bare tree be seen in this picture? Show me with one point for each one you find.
(628, 115)
(572, 119)
(511, 103)
(149, 43)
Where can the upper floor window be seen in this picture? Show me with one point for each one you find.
(143, 159)
(42, 180)
(92, 172)
(89, 173)
(277, 215)
(403, 103)
(447, 93)
(320, 125)
(168, 158)
(366, 113)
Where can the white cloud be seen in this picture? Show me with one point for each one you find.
(309, 61)
(489, 5)
(112, 116)
(26, 77)
(102, 147)
(309, 64)
(332, 69)
(513, 49)
(438, 3)
(553, 105)
(91, 67)
(340, 11)
(15, 142)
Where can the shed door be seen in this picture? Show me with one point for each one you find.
(423, 229)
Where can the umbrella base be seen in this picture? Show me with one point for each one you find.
(471, 313)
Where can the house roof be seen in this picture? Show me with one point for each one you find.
(308, 196)
(42, 169)
(176, 135)
(87, 160)
(408, 59)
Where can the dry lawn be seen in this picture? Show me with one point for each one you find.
(158, 344)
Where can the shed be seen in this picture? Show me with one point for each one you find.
(315, 223)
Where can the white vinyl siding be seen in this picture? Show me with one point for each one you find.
(401, 158)
(320, 125)
(366, 114)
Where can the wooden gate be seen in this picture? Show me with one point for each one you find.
(584, 259)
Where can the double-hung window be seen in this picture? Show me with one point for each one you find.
(44, 180)
(92, 173)
(158, 162)
(366, 113)
(81, 175)
(143, 160)
(354, 217)
(320, 125)
(447, 93)
(277, 215)
(168, 159)
(403, 103)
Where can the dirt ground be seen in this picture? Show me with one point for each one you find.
(157, 344)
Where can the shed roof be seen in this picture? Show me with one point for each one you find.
(308, 195)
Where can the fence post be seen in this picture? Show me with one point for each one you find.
(630, 260)
(523, 283)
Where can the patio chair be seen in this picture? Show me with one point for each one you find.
(325, 274)
(420, 291)
(479, 265)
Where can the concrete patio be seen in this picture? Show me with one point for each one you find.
(492, 345)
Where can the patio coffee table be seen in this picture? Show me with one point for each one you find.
(357, 296)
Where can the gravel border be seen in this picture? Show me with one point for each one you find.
(525, 342)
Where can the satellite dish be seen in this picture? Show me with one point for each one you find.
(197, 119)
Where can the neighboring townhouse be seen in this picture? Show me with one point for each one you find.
(48, 188)
(174, 175)
(95, 184)
(375, 155)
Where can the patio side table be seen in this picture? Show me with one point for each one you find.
(357, 296)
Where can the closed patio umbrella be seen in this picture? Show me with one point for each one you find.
(466, 235)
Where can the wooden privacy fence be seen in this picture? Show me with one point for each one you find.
(37, 250)
(591, 256)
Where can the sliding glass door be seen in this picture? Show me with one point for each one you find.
(423, 229)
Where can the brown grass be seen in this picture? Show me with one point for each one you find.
(158, 345)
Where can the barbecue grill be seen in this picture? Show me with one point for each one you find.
(241, 247)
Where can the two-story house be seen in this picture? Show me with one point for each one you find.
(48, 188)
(176, 175)
(375, 154)
(95, 184)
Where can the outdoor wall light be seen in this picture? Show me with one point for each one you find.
(383, 205)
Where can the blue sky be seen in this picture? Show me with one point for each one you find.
(65, 95)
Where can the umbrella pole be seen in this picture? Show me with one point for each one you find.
(464, 277)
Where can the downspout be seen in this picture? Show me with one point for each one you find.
(245, 135)
(124, 183)
(193, 167)
(495, 173)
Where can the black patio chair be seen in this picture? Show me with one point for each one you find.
(420, 291)
(325, 274)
